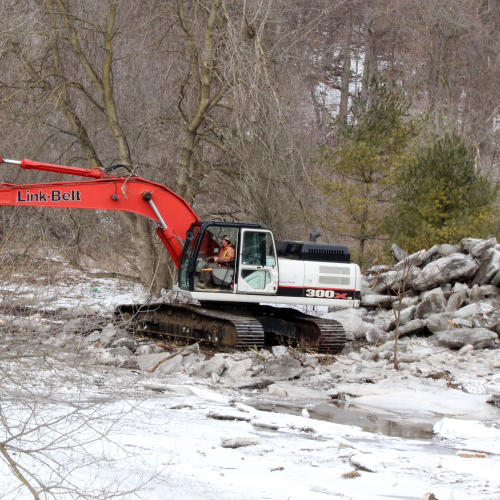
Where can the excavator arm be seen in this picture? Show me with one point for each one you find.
(172, 214)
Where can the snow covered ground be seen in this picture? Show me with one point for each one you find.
(109, 430)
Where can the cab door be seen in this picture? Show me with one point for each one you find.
(258, 264)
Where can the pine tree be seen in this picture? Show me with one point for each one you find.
(373, 146)
(441, 197)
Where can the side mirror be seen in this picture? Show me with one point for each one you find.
(189, 235)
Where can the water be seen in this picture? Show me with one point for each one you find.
(348, 414)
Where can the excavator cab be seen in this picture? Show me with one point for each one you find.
(252, 270)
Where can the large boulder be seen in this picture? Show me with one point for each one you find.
(489, 271)
(454, 267)
(480, 248)
(467, 244)
(460, 337)
(433, 302)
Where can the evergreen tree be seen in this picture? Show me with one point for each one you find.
(441, 197)
(373, 146)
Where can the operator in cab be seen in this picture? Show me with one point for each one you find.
(226, 255)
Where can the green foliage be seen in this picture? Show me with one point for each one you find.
(373, 146)
(441, 197)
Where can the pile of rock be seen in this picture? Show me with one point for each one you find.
(450, 294)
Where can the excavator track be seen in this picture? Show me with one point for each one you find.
(332, 338)
(250, 332)
(235, 326)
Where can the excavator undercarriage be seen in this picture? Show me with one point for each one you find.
(235, 326)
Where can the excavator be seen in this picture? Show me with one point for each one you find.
(238, 302)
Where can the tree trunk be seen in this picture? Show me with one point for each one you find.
(346, 74)
(370, 65)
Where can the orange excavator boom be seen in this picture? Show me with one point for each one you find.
(105, 191)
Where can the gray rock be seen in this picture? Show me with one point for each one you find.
(463, 323)
(217, 364)
(77, 325)
(171, 366)
(369, 281)
(81, 310)
(280, 350)
(446, 250)
(466, 311)
(239, 441)
(480, 248)
(276, 390)
(120, 351)
(143, 350)
(415, 327)
(237, 370)
(451, 268)
(285, 368)
(351, 322)
(447, 289)
(379, 269)
(192, 359)
(487, 315)
(93, 337)
(375, 335)
(190, 349)
(467, 244)
(386, 281)
(398, 253)
(457, 297)
(433, 302)
(409, 358)
(109, 332)
(489, 291)
(406, 315)
(438, 322)
(147, 362)
(411, 261)
(376, 300)
(252, 383)
(383, 324)
(460, 337)
(488, 272)
(409, 301)
(125, 342)
(465, 349)
(44, 328)
(475, 294)
(431, 254)
(157, 349)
